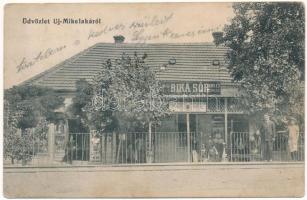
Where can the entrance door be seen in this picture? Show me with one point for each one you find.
(210, 135)
(195, 138)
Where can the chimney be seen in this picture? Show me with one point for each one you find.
(118, 39)
(217, 37)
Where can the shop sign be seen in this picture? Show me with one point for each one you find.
(188, 107)
(193, 88)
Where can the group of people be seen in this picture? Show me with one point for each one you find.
(215, 149)
(268, 136)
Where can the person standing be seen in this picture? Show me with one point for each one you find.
(268, 133)
(68, 157)
(293, 130)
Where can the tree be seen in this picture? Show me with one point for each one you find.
(16, 146)
(127, 97)
(27, 106)
(127, 92)
(266, 42)
(84, 94)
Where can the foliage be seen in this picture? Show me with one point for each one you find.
(266, 56)
(40, 131)
(84, 93)
(28, 104)
(127, 96)
(27, 107)
(17, 146)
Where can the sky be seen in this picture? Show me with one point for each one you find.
(30, 49)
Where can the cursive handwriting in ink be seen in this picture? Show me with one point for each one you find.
(138, 24)
(141, 36)
(106, 29)
(42, 55)
(150, 21)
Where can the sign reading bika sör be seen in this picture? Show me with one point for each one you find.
(193, 88)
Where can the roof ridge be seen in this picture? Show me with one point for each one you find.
(58, 66)
(161, 43)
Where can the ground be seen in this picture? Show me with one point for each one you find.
(196, 180)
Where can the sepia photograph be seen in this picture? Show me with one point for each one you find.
(154, 100)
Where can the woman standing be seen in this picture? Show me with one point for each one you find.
(293, 138)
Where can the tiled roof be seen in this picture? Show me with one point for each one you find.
(190, 62)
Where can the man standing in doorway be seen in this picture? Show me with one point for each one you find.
(267, 137)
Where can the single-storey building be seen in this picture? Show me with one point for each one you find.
(206, 119)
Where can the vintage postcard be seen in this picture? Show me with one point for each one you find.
(154, 100)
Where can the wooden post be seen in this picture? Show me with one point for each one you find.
(119, 147)
(226, 129)
(226, 119)
(149, 151)
(51, 130)
(66, 131)
(188, 137)
(113, 147)
(101, 147)
(231, 130)
(149, 136)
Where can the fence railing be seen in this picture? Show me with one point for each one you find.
(245, 147)
(165, 147)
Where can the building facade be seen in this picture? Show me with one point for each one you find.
(206, 123)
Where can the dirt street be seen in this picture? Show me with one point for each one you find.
(213, 180)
